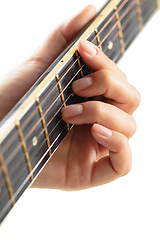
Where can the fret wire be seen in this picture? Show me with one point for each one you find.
(62, 105)
(75, 61)
(22, 185)
(57, 98)
(124, 2)
(60, 94)
(120, 19)
(60, 89)
(124, 25)
(66, 100)
(121, 39)
(79, 56)
(54, 117)
(45, 98)
(73, 64)
(7, 180)
(43, 141)
(109, 20)
(98, 39)
(34, 169)
(80, 67)
(139, 14)
(79, 63)
(113, 41)
(51, 106)
(48, 109)
(44, 125)
(20, 133)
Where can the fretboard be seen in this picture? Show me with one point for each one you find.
(33, 130)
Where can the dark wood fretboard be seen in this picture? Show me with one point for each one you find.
(33, 130)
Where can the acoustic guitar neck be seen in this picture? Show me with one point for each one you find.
(34, 128)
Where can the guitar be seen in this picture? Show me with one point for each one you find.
(33, 130)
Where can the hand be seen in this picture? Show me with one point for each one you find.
(96, 151)
(19, 80)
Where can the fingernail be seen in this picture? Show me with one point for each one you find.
(72, 111)
(103, 131)
(82, 83)
(88, 47)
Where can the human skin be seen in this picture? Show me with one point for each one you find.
(96, 151)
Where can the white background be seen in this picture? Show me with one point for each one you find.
(128, 208)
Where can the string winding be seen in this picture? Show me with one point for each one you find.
(2, 183)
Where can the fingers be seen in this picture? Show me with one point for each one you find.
(104, 114)
(119, 161)
(108, 80)
(95, 58)
(112, 86)
(52, 47)
(35, 65)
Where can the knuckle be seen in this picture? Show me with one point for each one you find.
(104, 74)
(137, 99)
(127, 163)
(132, 127)
(123, 142)
(125, 78)
(127, 168)
(97, 108)
(106, 77)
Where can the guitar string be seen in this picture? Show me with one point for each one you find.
(23, 124)
(5, 208)
(114, 26)
(56, 85)
(71, 80)
(61, 78)
(104, 51)
(31, 130)
(35, 167)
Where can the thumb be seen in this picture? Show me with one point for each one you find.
(26, 74)
(59, 39)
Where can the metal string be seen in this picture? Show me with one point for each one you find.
(31, 130)
(67, 86)
(51, 105)
(29, 117)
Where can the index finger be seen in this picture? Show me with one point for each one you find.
(95, 58)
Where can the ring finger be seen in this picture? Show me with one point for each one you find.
(104, 114)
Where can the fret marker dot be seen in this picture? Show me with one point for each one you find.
(34, 141)
(110, 45)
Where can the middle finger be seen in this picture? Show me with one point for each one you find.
(112, 86)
